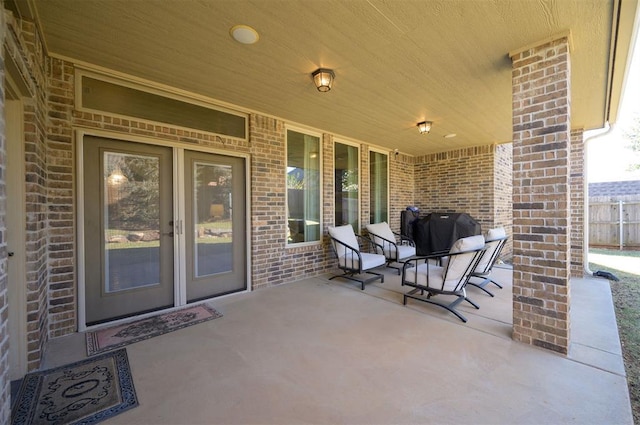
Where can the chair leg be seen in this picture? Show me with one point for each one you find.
(495, 283)
(472, 303)
(350, 275)
(398, 269)
(482, 285)
(449, 307)
(485, 281)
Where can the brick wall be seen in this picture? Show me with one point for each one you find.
(365, 187)
(577, 184)
(402, 192)
(475, 180)
(24, 46)
(541, 213)
(60, 200)
(268, 198)
(457, 181)
(273, 261)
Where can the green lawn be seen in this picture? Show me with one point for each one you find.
(626, 298)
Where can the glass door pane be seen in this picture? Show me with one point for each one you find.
(131, 221)
(215, 223)
(128, 228)
(212, 209)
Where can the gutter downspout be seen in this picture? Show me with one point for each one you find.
(585, 253)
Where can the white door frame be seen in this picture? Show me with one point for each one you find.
(16, 234)
(179, 244)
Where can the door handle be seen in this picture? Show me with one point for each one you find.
(168, 234)
(11, 254)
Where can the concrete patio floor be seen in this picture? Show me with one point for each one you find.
(325, 352)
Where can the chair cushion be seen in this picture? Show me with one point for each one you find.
(497, 233)
(369, 261)
(404, 251)
(469, 243)
(346, 235)
(381, 229)
(485, 262)
(493, 243)
(458, 265)
(431, 280)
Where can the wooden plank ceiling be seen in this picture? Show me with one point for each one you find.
(396, 62)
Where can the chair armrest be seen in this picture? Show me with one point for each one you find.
(348, 247)
(367, 243)
(384, 240)
(349, 251)
(413, 261)
(404, 240)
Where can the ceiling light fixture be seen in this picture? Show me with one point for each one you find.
(450, 136)
(244, 34)
(424, 127)
(323, 78)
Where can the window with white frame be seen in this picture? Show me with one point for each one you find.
(378, 187)
(347, 184)
(303, 188)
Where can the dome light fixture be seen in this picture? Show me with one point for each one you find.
(323, 78)
(244, 34)
(424, 127)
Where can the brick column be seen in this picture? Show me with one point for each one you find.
(577, 184)
(541, 214)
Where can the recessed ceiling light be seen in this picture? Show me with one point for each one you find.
(450, 136)
(244, 34)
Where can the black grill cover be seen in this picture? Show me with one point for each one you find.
(438, 231)
(407, 220)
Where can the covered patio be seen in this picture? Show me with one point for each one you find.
(150, 127)
(326, 352)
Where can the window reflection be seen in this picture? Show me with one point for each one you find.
(303, 187)
(347, 185)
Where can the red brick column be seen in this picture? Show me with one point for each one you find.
(541, 213)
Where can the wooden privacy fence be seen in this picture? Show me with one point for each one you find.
(614, 222)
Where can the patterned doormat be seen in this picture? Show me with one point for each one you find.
(87, 392)
(118, 336)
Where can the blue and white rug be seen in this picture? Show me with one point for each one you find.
(87, 392)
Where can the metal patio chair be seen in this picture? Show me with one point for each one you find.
(395, 247)
(444, 274)
(495, 241)
(351, 260)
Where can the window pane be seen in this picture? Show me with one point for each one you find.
(212, 217)
(110, 97)
(346, 185)
(131, 221)
(303, 187)
(378, 196)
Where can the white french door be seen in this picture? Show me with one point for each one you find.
(162, 226)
